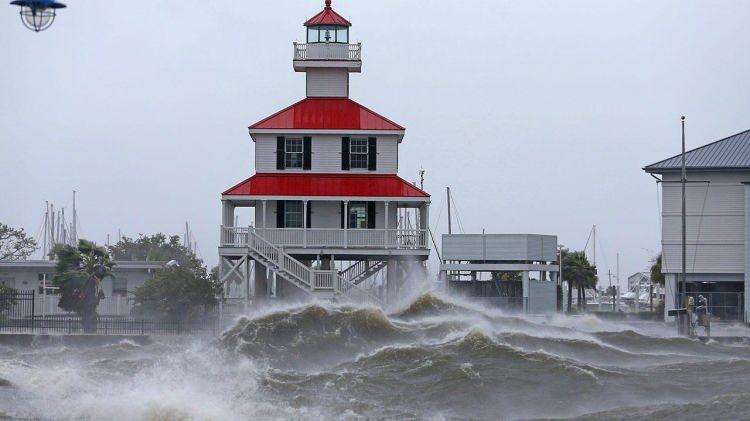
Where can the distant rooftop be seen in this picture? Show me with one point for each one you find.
(730, 153)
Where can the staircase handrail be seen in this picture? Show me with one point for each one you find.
(300, 271)
(280, 258)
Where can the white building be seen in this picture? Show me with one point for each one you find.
(30, 275)
(718, 225)
(466, 257)
(327, 205)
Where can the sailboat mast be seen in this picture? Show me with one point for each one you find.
(448, 195)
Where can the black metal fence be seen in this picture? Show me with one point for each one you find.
(18, 315)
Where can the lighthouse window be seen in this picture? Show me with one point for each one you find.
(358, 153)
(342, 35)
(293, 153)
(339, 34)
(293, 214)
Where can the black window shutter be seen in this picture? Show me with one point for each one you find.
(345, 153)
(279, 214)
(372, 154)
(307, 153)
(280, 152)
(343, 217)
(308, 221)
(370, 215)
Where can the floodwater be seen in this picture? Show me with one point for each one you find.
(431, 359)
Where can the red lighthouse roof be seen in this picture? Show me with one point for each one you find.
(327, 17)
(343, 185)
(326, 113)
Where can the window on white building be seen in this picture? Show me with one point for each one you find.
(358, 153)
(358, 215)
(119, 286)
(293, 152)
(293, 214)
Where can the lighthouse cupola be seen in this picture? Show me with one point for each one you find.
(327, 56)
(328, 26)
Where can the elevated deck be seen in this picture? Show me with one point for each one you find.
(312, 241)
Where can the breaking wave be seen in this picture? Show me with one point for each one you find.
(433, 358)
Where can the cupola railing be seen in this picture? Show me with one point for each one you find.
(328, 51)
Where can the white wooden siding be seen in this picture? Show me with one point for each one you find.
(327, 82)
(721, 229)
(715, 223)
(326, 154)
(327, 214)
(705, 258)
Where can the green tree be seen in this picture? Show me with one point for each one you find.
(656, 276)
(506, 276)
(15, 244)
(7, 299)
(78, 275)
(178, 294)
(156, 247)
(579, 273)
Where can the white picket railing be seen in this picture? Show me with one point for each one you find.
(328, 51)
(324, 279)
(413, 239)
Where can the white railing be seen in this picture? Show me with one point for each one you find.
(324, 279)
(414, 239)
(359, 269)
(298, 272)
(328, 51)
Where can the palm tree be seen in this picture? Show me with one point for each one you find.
(578, 273)
(78, 275)
(656, 276)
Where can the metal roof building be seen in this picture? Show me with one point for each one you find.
(717, 219)
(730, 153)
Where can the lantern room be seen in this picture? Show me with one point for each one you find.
(328, 44)
(327, 33)
(328, 26)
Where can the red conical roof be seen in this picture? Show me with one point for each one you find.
(327, 17)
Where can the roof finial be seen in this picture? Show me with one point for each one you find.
(328, 4)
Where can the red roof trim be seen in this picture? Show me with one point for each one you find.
(317, 184)
(326, 113)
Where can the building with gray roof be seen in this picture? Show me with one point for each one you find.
(717, 225)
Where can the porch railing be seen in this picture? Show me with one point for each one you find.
(328, 51)
(412, 239)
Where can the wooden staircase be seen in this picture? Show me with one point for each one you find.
(315, 282)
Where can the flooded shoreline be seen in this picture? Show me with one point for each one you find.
(433, 358)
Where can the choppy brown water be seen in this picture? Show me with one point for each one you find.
(432, 359)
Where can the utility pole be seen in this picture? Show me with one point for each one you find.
(683, 182)
(75, 230)
(46, 233)
(448, 194)
(594, 229)
(609, 274)
(617, 287)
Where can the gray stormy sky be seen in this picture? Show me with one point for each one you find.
(539, 114)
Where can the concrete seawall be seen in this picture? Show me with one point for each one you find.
(40, 339)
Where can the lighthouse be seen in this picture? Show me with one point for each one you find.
(329, 213)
